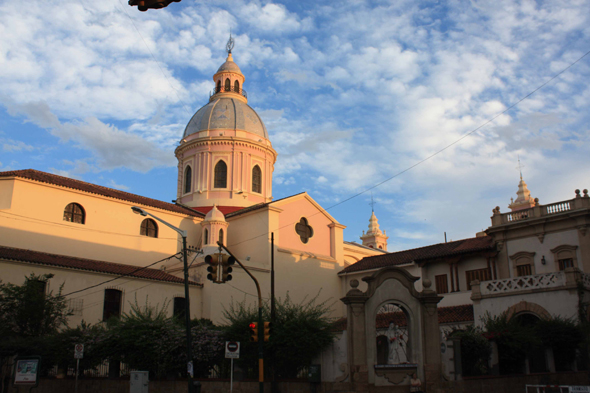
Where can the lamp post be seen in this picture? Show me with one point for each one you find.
(182, 233)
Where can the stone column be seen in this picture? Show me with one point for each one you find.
(357, 336)
(431, 337)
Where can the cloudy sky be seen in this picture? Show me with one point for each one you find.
(353, 93)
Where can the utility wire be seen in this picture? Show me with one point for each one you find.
(431, 155)
(122, 275)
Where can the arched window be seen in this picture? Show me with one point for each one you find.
(221, 236)
(218, 86)
(237, 86)
(149, 228)
(74, 213)
(220, 175)
(188, 175)
(256, 179)
(227, 85)
(206, 237)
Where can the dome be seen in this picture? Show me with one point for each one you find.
(214, 215)
(226, 113)
(229, 66)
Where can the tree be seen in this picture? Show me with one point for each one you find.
(146, 339)
(27, 311)
(299, 334)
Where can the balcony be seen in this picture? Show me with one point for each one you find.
(228, 89)
(567, 279)
(541, 211)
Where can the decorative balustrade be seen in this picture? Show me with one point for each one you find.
(538, 211)
(519, 215)
(558, 207)
(538, 281)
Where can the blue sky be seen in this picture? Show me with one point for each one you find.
(352, 93)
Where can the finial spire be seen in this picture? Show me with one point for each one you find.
(230, 44)
(519, 167)
(372, 204)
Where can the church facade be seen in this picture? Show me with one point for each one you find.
(531, 260)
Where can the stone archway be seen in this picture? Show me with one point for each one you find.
(527, 307)
(420, 330)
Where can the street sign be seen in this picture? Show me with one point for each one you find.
(232, 349)
(79, 351)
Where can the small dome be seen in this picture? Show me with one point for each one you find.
(226, 113)
(229, 66)
(215, 215)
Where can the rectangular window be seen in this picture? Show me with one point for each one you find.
(179, 307)
(565, 263)
(523, 270)
(441, 284)
(479, 274)
(76, 306)
(112, 304)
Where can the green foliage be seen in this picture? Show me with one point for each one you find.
(475, 351)
(299, 334)
(514, 338)
(564, 336)
(62, 346)
(27, 311)
(146, 339)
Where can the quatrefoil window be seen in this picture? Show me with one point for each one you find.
(304, 230)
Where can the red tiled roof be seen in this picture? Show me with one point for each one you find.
(224, 209)
(452, 314)
(42, 258)
(62, 181)
(422, 254)
(455, 314)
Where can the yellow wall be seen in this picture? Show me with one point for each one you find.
(34, 220)
(154, 293)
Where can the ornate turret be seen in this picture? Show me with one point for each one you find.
(374, 238)
(523, 199)
(225, 157)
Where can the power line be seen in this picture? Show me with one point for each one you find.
(433, 154)
(122, 275)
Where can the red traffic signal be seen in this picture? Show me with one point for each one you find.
(253, 331)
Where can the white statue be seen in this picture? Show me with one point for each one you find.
(397, 352)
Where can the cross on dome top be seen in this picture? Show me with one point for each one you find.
(230, 44)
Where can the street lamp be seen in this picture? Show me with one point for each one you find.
(182, 233)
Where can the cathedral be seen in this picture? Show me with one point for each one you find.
(532, 260)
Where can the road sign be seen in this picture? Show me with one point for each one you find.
(232, 349)
(79, 351)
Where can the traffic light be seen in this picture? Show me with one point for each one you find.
(212, 261)
(253, 331)
(267, 330)
(226, 262)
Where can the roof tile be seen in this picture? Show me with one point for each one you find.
(62, 181)
(422, 254)
(42, 258)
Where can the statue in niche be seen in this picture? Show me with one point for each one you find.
(397, 350)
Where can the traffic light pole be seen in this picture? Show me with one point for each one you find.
(260, 323)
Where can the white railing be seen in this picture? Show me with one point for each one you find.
(519, 215)
(558, 207)
(538, 281)
(586, 280)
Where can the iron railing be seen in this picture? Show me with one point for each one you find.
(228, 89)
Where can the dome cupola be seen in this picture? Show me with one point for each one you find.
(225, 157)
